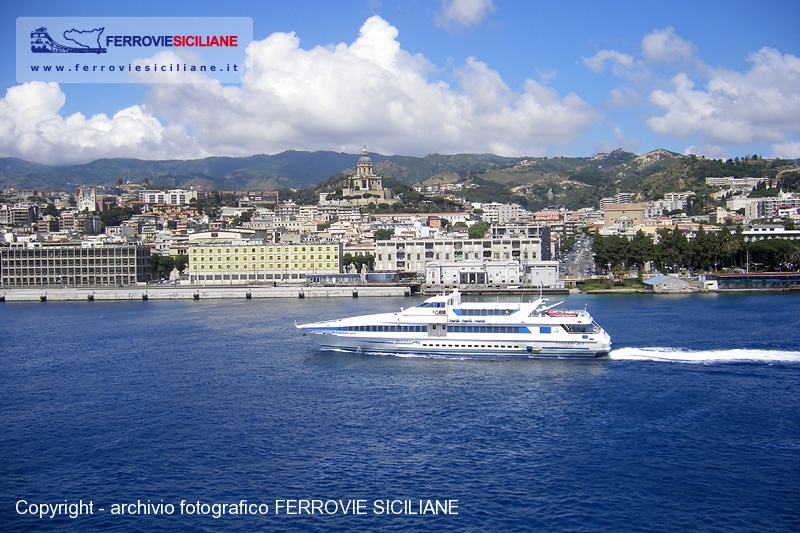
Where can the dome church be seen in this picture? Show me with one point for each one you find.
(363, 188)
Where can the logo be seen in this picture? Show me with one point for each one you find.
(42, 43)
(133, 49)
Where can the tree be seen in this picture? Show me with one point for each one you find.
(640, 250)
(612, 250)
(730, 247)
(116, 215)
(383, 234)
(358, 261)
(51, 210)
(672, 250)
(161, 266)
(705, 250)
(181, 262)
(478, 230)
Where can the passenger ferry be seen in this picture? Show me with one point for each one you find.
(443, 325)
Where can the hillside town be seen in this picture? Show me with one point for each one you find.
(132, 235)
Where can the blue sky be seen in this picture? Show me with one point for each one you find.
(411, 77)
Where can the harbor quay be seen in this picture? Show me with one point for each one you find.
(160, 292)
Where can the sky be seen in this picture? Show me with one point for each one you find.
(412, 77)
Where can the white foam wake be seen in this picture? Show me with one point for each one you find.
(676, 355)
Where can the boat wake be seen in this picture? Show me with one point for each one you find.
(676, 355)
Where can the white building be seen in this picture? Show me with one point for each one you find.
(173, 197)
(768, 208)
(497, 213)
(761, 232)
(466, 274)
(400, 255)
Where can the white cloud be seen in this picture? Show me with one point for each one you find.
(664, 46)
(622, 97)
(712, 151)
(787, 150)
(759, 105)
(336, 97)
(601, 59)
(463, 13)
(31, 128)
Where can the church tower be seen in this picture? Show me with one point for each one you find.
(365, 179)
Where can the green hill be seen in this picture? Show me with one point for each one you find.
(534, 182)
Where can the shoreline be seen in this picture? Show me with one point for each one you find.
(148, 293)
(196, 293)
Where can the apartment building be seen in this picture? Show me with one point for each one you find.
(401, 255)
(172, 197)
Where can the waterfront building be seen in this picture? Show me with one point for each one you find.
(402, 255)
(472, 274)
(492, 274)
(235, 261)
(542, 274)
(757, 281)
(761, 232)
(527, 231)
(73, 265)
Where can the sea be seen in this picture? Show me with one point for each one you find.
(218, 415)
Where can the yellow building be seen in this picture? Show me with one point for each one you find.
(245, 263)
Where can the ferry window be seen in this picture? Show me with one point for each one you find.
(544, 329)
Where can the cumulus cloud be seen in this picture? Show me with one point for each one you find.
(456, 14)
(31, 128)
(664, 46)
(336, 97)
(759, 105)
(721, 106)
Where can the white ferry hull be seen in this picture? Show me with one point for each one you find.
(454, 348)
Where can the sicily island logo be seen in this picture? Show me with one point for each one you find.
(84, 42)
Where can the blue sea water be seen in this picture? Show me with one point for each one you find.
(691, 424)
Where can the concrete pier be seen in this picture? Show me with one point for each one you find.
(160, 292)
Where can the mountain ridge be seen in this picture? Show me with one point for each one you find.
(568, 181)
